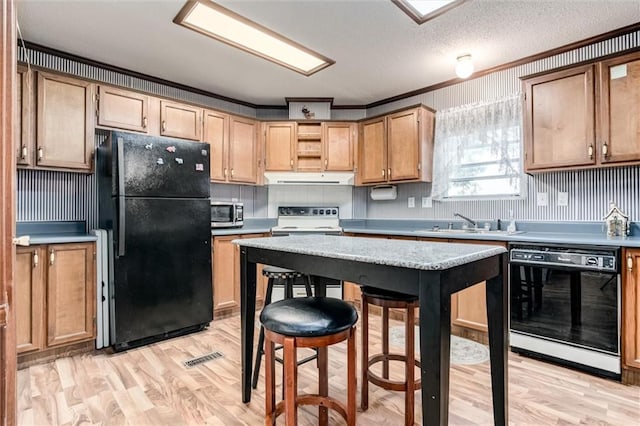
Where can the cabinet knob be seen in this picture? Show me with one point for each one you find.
(225, 172)
(382, 172)
(144, 122)
(40, 154)
(52, 257)
(291, 163)
(326, 162)
(590, 152)
(389, 173)
(24, 152)
(629, 263)
(231, 172)
(605, 150)
(36, 259)
(164, 125)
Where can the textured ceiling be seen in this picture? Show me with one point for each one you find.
(379, 51)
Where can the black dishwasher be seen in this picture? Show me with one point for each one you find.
(565, 305)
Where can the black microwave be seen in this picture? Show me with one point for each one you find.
(226, 215)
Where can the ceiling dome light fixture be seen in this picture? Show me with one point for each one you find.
(464, 66)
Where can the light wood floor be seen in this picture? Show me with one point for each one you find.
(150, 386)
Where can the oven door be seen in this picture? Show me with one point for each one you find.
(566, 313)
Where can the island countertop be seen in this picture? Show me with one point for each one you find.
(401, 253)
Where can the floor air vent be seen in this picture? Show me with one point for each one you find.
(201, 359)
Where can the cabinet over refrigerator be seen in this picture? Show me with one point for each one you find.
(154, 203)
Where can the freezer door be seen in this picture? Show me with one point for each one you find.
(147, 166)
(163, 272)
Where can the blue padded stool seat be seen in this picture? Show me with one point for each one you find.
(308, 316)
(379, 293)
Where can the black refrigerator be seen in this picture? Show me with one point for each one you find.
(154, 203)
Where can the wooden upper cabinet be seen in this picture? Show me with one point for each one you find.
(619, 138)
(180, 120)
(403, 148)
(65, 125)
(29, 299)
(397, 147)
(373, 151)
(216, 134)
(70, 293)
(280, 139)
(339, 141)
(631, 310)
(560, 119)
(561, 130)
(24, 118)
(243, 150)
(122, 109)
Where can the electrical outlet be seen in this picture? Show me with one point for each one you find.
(427, 202)
(411, 202)
(542, 199)
(563, 199)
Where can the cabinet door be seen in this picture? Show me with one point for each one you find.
(338, 140)
(24, 118)
(180, 120)
(122, 109)
(216, 134)
(279, 146)
(469, 307)
(620, 109)
(243, 146)
(226, 264)
(29, 299)
(64, 122)
(631, 310)
(403, 146)
(560, 120)
(70, 293)
(373, 151)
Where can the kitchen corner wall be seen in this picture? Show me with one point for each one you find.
(254, 198)
(589, 191)
(52, 195)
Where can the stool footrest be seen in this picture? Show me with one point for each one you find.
(387, 384)
(316, 400)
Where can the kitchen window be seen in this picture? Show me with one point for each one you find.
(478, 151)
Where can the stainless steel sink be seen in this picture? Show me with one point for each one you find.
(467, 231)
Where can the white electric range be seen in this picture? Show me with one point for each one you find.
(297, 220)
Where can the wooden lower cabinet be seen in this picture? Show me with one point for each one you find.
(631, 313)
(55, 295)
(469, 307)
(225, 262)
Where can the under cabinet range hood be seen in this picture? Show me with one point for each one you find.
(308, 178)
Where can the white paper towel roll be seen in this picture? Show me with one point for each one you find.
(386, 192)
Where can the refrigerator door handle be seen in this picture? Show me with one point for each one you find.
(121, 199)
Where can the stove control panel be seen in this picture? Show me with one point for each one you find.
(308, 211)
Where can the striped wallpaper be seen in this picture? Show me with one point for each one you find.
(51, 195)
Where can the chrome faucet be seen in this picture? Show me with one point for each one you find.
(474, 224)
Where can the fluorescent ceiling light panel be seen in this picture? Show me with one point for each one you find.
(422, 11)
(222, 24)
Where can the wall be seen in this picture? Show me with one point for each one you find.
(589, 191)
(48, 195)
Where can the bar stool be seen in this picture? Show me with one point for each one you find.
(386, 300)
(308, 322)
(288, 277)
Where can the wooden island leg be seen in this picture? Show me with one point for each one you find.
(497, 311)
(435, 340)
(247, 319)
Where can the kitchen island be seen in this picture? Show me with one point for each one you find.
(431, 271)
